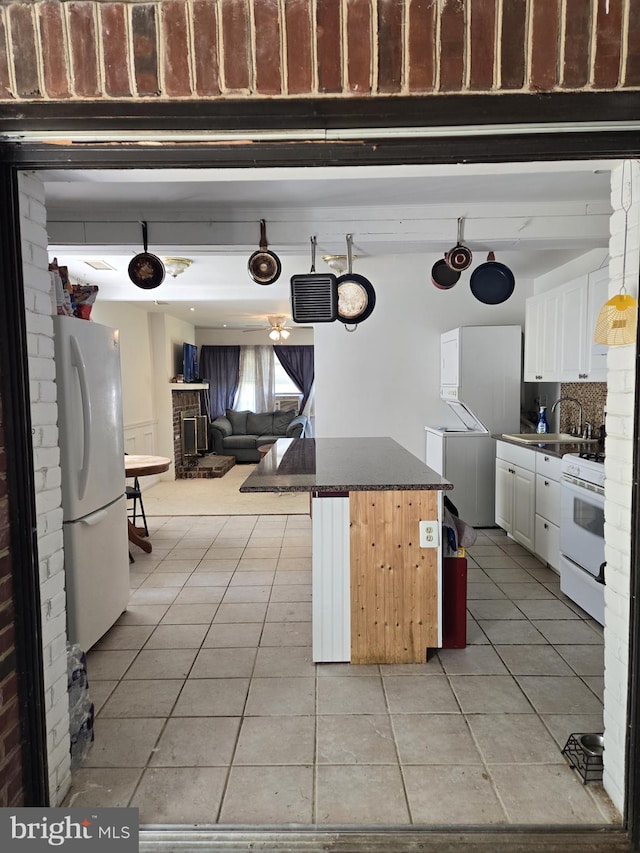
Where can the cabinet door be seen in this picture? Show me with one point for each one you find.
(596, 354)
(523, 519)
(572, 305)
(547, 498)
(532, 339)
(549, 336)
(541, 338)
(548, 542)
(504, 495)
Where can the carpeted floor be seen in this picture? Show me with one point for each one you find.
(220, 496)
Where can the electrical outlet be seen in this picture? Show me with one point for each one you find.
(429, 534)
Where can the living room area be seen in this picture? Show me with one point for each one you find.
(239, 376)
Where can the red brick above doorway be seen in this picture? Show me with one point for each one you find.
(215, 49)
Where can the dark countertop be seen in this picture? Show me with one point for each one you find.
(341, 465)
(554, 448)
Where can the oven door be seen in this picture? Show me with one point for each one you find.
(582, 525)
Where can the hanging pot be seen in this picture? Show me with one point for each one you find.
(459, 258)
(356, 296)
(314, 297)
(442, 276)
(492, 282)
(264, 266)
(146, 270)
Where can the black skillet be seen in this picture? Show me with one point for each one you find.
(492, 282)
(264, 266)
(146, 270)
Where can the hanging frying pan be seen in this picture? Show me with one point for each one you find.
(264, 266)
(459, 258)
(492, 282)
(442, 276)
(356, 296)
(314, 297)
(146, 270)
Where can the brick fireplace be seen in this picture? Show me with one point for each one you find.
(186, 403)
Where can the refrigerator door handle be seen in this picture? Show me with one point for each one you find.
(78, 362)
(95, 517)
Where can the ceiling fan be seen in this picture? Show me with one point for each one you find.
(277, 327)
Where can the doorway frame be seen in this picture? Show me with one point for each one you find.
(428, 130)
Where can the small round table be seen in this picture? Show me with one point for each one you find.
(263, 450)
(143, 466)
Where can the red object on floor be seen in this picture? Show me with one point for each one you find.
(454, 603)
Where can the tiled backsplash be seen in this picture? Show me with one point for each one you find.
(592, 396)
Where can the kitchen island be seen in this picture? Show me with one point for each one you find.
(376, 588)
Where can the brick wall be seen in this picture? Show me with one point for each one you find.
(11, 793)
(619, 471)
(44, 415)
(190, 49)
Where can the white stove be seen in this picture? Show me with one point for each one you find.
(589, 467)
(582, 564)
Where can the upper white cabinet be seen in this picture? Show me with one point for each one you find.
(559, 326)
(596, 365)
(541, 337)
(573, 330)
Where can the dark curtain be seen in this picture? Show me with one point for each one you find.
(220, 367)
(298, 362)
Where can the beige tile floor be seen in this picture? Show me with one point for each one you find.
(210, 711)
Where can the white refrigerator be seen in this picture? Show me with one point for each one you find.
(94, 506)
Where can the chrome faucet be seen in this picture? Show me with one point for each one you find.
(570, 400)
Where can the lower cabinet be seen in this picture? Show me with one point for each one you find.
(527, 500)
(547, 542)
(547, 532)
(515, 501)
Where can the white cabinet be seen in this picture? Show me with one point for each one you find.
(573, 330)
(547, 530)
(541, 337)
(582, 360)
(528, 499)
(559, 327)
(515, 492)
(596, 359)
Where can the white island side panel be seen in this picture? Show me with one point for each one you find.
(331, 580)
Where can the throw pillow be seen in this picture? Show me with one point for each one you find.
(260, 423)
(281, 421)
(238, 421)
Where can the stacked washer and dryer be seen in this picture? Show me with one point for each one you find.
(481, 380)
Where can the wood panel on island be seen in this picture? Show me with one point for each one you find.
(377, 582)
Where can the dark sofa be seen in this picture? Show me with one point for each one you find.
(240, 434)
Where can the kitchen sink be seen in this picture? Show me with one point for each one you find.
(547, 438)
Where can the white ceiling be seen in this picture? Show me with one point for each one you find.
(534, 216)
